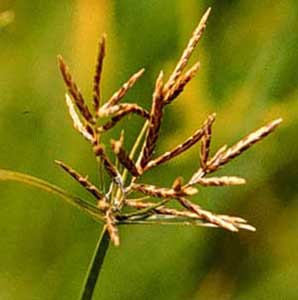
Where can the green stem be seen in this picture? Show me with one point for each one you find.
(103, 242)
(95, 265)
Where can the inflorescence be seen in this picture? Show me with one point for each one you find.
(119, 204)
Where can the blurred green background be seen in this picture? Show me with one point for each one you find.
(248, 76)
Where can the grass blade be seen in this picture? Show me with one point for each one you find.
(89, 209)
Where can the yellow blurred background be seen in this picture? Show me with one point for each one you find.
(248, 76)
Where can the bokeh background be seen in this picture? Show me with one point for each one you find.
(248, 76)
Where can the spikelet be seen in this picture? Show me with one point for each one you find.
(98, 73)
(74, 91)
(123, 157)
(117, 96)
(81, 179)
(177, 184)
(107, 164)
(188, 143)
(243, 145)
(220, 181)
(124, 108)
(178, 88)
(159, 192)
(161, 210)
(154, 122)
(208, 216)
(213, 161)
(112, 228)
(119, 112)
(196, 36)
(78, 125)
(189, 215)
(205, 145)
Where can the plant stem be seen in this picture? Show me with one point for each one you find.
(95, 265)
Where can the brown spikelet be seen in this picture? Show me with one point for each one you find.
(243, 145)
(103, 205)
(183, 146)
(208, 216)
(232, 219)
(177, 184)
(239, 222)
(98, 73)
(123, 157)
(196, 36)
(220, 181)
(217, 156)
(145, 212)
(178, 88)
(236, 221)
(85, 129)
(205, 145)
(81, 179)
(245, 227)
(107, 164)
(155, 191)
(117, 96)
(112, 228)
(161, 210)
(126, 108)
(213, 161)
(154, 122)
(74, 91)
(121, 113)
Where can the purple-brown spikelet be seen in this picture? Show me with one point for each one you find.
(159, 192)
(74, 90)
(125, 108)
(161, 210)
(243, 145)
(178, 87)
(81, 179)
(111, 170)
(98, 73)
(177, 184)
(84, 129)
(118, 112)
(194, 40)
(220, 181)
(154, 121)
(117, 96)
(205, 145)
(111, 225)
(208, 216)
(124, 158)
(188, 143)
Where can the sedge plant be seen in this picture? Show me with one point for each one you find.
(127, 199)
